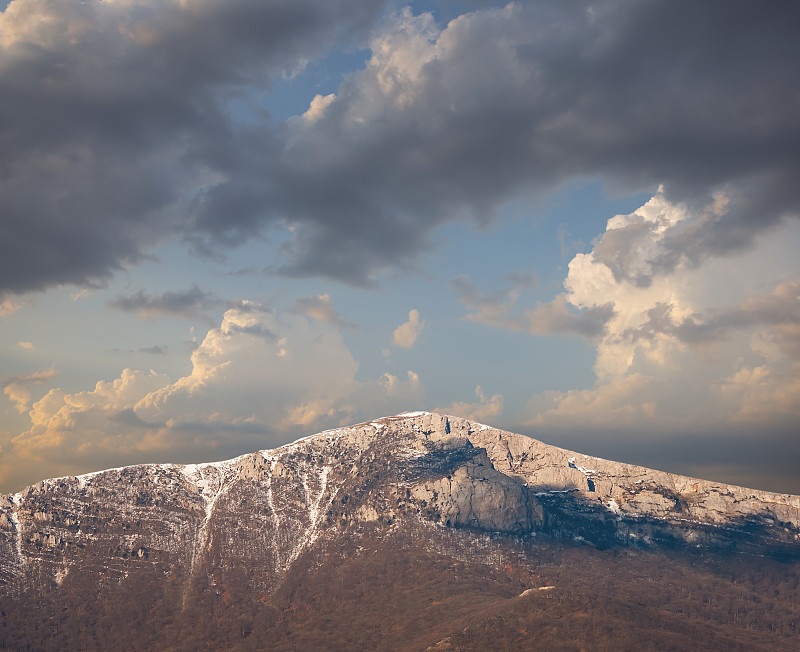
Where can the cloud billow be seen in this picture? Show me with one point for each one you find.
(708, 346)
(453, 122)
(118, 129)
(258, 379)
(406, 334)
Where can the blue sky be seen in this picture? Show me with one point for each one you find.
(224, 225)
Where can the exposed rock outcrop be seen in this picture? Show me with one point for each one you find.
(477, 495)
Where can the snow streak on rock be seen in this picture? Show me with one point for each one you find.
(14, 518)
(273, 513)
(313, 506)
(270, 497)
(210, 479)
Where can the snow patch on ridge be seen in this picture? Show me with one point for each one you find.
(292, 445)
(84, 477)
(587, 472)
(553, 491)
(190, 469)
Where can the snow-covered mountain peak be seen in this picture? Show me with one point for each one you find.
(401, 471)
(432, 484)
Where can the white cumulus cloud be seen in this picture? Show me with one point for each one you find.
(484, 409)
(692, 345)
(406, 334)
(18, 388)
(258, 379)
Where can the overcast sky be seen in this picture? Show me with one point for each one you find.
(225, 224)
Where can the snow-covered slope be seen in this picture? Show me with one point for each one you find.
(263, 510)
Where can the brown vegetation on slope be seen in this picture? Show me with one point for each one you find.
(432, 588)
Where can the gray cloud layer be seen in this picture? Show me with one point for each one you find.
(552, 317)
(180, 302)
(780, 309)
(116, 129)
(113, 114)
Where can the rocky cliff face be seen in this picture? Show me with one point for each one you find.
(265, 509)
(638, 503)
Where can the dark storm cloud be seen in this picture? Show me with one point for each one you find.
(182, 302)
(115, 130)
(480, 301)
(780, 310)
(36, 378)
(257, 330)
(114, 114)
(523, 279)
(128, 417)
(515, 101)
(154, 350)
(552, 317)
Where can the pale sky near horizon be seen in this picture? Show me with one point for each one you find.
(227, 224)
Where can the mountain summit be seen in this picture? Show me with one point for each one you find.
(195, 536)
